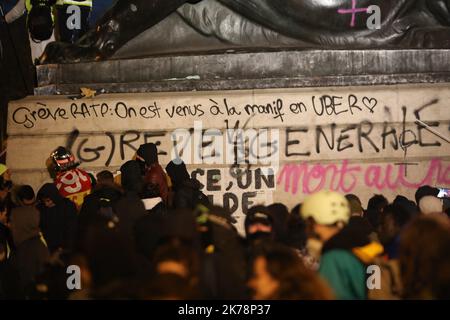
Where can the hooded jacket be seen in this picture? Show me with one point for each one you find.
(58, 223)
(344, 260)
(187, 194)
(91, 208)
(130, 208)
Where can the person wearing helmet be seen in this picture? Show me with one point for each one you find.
(345, 250)
(72, 182)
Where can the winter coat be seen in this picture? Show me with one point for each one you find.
(58, 223)
(344, 261)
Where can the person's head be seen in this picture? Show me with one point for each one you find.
(174, 256)
(131, 178)
(375, 206)
(147, 153)
(63, 159)
(355, 205)
(392, 220)
(48, 195)
(26, 195)
(377, 203)
(177, 172)
(40, 20)
(105, 178)
(258, 223)
(279, 273)
(326, 213)
(431, 204)
(424, 258)
(425, 191)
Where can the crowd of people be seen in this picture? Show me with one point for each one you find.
(151, 233)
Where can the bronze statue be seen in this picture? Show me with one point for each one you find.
(327, 24)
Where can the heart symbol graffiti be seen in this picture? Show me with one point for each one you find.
(370, 103)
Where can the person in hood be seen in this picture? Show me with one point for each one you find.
(224, 263)
(345, 251)
(186, 190)
(31, 252)
(97, 206)
(147, 155)
(59, 219)
(130, 208)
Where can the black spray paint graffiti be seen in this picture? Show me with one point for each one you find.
(325, 105)
(361, 136)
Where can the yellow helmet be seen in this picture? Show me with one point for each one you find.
(326, 208)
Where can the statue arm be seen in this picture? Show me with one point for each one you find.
(16, 12)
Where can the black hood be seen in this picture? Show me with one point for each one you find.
(131, 178)
(177, 173)
(149, 153)
(49, 190)
(109, 192)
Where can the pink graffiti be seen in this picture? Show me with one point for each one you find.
(345, 177)
(353, 11)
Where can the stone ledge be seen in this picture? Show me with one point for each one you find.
(250, 70)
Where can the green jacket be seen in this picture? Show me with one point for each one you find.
(345, 274)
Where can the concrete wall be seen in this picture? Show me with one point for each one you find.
(363, 140)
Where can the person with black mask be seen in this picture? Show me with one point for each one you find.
(59, 219)
(186, 190)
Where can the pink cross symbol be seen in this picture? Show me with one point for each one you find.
(353, 11)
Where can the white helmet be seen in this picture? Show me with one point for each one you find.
(326, 208)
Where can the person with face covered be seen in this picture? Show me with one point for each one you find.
(259, 225)
(345, 251)
(186, 193)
